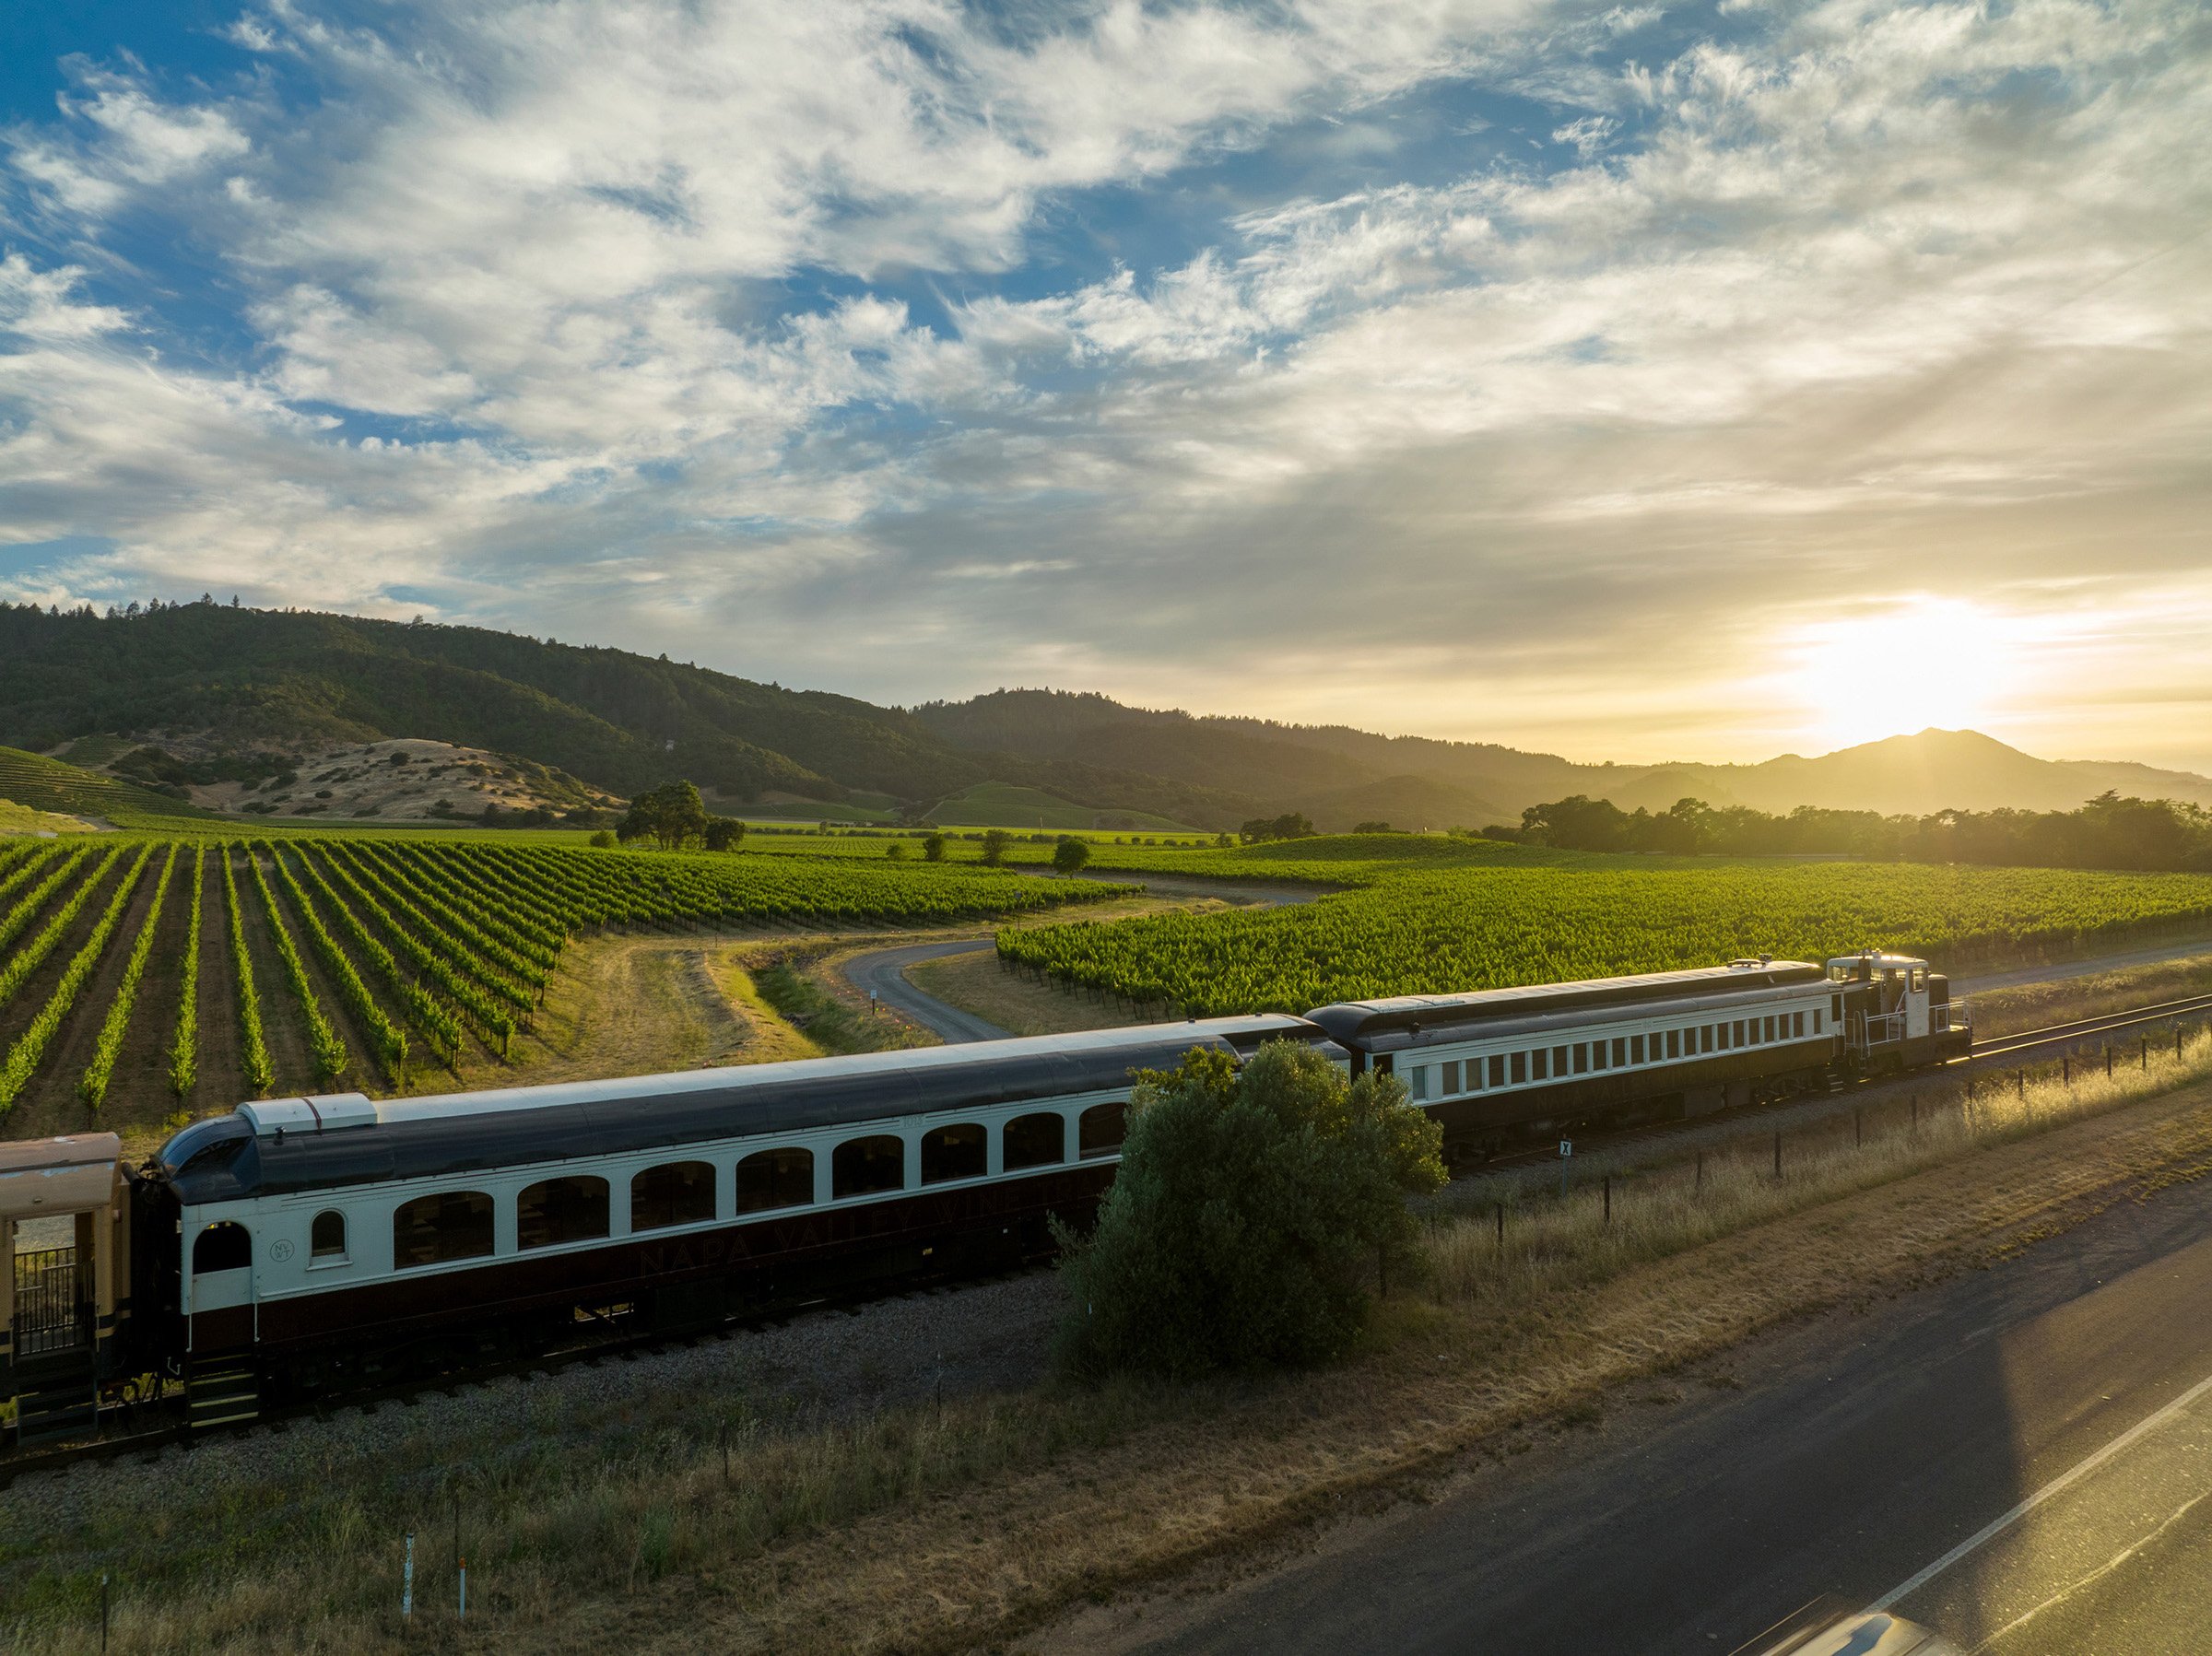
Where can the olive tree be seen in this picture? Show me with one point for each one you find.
(1254, 1207)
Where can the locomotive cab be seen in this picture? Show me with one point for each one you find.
(1893, 1012)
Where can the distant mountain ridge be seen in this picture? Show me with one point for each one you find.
(290, 680)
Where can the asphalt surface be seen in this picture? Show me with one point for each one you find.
(882, 972)
(2083, 968)
(1830, 1466)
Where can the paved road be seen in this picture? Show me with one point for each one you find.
(2082, 968)
(883, 973)
(1859, 1451)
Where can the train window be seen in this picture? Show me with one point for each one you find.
(1920, 978)
(553, 1211)
(1770, 1029)
(1451, 1083)
(326, 1236)
(1597, 1055)
(1739, 1035)
(682, 1192)
(433, 1230)
(1816, 1020)
(1723, 1029)
(224, 1245)
(958, 1152)
(1581, 1056)
(1635, 1049)
(1558, 1060)
(1621, 1051)
(1417, 1081)
(772, 1178)
(1101, 1129)
(1497, 1069)
(863, 1167)
(1835, 1008)
(1538, 1064)
(1034, 1141)
(1796, 1025)
(1520, 1068)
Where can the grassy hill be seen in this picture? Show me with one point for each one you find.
(289, 680)
(43, 784)
(1005, 805)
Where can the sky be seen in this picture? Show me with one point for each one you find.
(1634, 382)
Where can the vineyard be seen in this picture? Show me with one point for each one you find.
(1429, 932)
(187, 974)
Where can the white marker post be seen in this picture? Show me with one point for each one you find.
(406, 1582)
(1566, 1151)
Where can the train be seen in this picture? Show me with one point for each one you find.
(297, 1247)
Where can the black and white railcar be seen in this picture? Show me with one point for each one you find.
(313, 1234)
(1506, 1063)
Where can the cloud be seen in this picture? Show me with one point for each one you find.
(904, 348)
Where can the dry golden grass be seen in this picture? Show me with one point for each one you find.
(2033, 1005)
(939, 1528)
(976, 984)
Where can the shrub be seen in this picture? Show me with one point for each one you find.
(605, 839)
(995, 847)
(1252, 1208)
(1069, 856)
(932, 849)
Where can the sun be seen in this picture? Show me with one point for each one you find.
(1921, 661)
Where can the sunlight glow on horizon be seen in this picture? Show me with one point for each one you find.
(1924, 661)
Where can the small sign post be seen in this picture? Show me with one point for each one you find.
(1566, 1152)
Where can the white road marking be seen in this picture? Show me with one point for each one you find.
(2080, 1470)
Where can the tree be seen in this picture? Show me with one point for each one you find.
(1253, 1205)
(669, 815)
(724, 833)
(604, 839)
(896, 851)
(932, 849)
(1069, 856)
(1372, 827)
(1290, 824)
(995, 847)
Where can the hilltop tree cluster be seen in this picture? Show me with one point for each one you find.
(2107, 832)
(674, 817)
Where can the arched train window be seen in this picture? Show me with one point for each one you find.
(435, 1230)
(863, 1167)
(224, 1245)
(326, 1236)
(1101, 1129)
(682, 1192)
(570, 1209)
(772, 1178)
(1035, 1141)
(958, 1152)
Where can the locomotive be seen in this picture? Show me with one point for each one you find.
(301, 1245)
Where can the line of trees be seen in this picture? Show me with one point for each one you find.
(2107, 832)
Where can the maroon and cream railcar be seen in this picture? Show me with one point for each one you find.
(294, 1241)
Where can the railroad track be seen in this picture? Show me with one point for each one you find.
(174, 1432)
(2082, 1029)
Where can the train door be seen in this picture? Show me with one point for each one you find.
(1915, 1006)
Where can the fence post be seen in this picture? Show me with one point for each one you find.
(2145, 1044)
(407, 1583)
(1778, 1153)
(103, 1609)
(462, 1573)
(2108, 1058)
(2066, 1067)
(1501, 1227)
(2020, 1080)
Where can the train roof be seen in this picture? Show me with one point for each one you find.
(273, 1146)
(1426, 1019)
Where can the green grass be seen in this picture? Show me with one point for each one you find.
(43, 784)
(21, 819)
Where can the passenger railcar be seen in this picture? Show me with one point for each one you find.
(1503, 1064)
